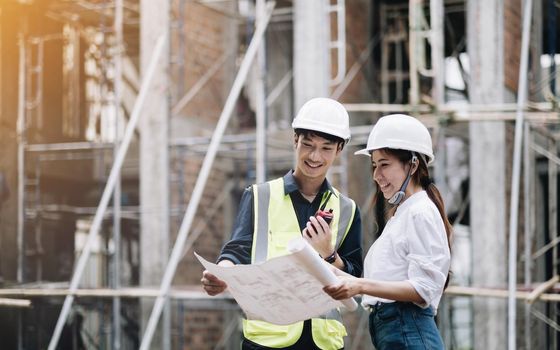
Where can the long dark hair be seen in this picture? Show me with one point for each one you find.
(422, 176)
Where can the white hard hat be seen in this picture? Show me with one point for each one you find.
(324, 115)
(399, 131)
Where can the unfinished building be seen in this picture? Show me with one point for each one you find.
(174, 107)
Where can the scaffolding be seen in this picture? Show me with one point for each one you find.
(532, 125)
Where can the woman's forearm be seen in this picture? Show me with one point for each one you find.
(397, 290)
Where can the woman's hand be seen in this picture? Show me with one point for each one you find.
(348, 287)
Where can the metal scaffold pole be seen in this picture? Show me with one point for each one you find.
(21, 155)
(203, 177)
(528, 232)
(516, 171)
(116, 258)
(107, 192)
(261, 99)
(414, 28)
(20, 127)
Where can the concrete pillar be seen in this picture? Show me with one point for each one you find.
(311, 50)
(485, 43)
(154, 164)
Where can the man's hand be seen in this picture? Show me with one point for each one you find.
(318, 233)
(212, 284)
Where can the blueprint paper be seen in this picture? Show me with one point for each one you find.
(282, 290)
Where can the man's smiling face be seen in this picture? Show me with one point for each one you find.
(314, 155)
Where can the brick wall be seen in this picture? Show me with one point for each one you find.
(357, 38)
(512, 42)
(211, 237)
(202, 329)
(206, 35)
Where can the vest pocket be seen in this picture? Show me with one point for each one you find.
(271, 335)
(328, 334)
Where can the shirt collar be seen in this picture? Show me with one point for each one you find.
(416, 197)
(290, 184)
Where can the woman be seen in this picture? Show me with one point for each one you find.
(407, 268)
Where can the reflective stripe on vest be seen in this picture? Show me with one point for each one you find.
(275, 224)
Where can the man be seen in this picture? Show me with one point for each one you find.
(272, 213)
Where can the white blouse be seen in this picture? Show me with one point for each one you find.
(412, 247)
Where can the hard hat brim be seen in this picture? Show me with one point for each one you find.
(316, 126)
(363, 152)
(367, 152)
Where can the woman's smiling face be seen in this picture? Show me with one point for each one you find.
(388, 172)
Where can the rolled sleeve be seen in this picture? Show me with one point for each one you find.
(428, 257)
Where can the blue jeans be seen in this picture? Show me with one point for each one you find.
(403, 326)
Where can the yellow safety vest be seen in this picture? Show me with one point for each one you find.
(275, 224)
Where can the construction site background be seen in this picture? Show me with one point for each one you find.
(74, 75)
